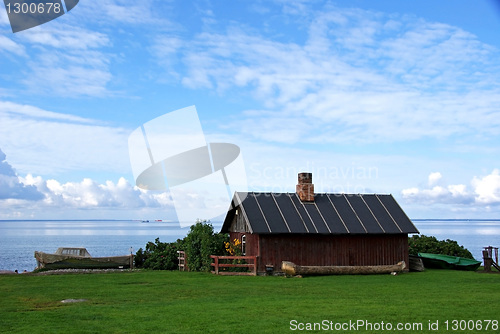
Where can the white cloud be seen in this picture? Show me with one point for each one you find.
(78, 199)
(4, 19)
(453, 194)
(410, 192)
(483, 192)
(89, 194)
(46, 142)
(458, 190)
(25, 110)
(132, 12)
(66, 60)
(70, 57)
(487, 188)
(434, 178)
(359, 76)
(11, 187)
(62, 36)
(124, 12)
(7, 44)
(165, 51)
(34, 197)
(68, 80)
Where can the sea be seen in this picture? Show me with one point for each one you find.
(19, 239)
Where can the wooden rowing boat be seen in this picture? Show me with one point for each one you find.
(79, 258)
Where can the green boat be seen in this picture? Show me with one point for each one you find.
(441, 261)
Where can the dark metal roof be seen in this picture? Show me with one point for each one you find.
(328, 214)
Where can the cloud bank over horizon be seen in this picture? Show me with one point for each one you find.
(482, 192)
(13, 188)
(32, 194)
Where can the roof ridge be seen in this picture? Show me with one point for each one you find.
(316, 193)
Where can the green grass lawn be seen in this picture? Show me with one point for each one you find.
(181, 302)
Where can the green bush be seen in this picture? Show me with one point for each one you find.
(158, 255)
(139, 258)
(429, 244)
(199, 244)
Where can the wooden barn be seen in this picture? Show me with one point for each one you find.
(319, 229)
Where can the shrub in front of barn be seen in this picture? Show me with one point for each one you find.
(200, 243)
(429, 244)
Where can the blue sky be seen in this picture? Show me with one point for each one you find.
(370, 96)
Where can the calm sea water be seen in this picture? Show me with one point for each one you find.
(19, 239)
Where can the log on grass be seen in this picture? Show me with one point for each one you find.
(292, 269)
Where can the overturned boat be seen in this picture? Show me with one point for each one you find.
(292, 269)
(416, 263)
(79, 258)
(441, 261)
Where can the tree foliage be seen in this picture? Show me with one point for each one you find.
(158, 255)
(429, 244)
(199, 244)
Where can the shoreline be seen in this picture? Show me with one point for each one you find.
(66, 271)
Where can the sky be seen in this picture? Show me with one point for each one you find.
(399, 97)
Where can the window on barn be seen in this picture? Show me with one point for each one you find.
(243, 244)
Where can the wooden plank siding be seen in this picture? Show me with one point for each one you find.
(325, 250)
(252, 242)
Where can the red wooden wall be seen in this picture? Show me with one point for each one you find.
(323, 250)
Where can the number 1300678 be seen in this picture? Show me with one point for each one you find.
(471, 325)
(33, 8)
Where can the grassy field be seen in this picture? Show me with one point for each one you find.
(179, 302)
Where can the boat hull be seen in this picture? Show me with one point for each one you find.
(416, 263)
(441, 261)
(54, 261)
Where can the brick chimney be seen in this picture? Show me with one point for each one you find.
(305, 188)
